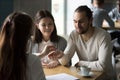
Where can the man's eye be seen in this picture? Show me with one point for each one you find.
(43, 25)
(75, 21)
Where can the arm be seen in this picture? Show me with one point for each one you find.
(34, 68)
(109, 20)
(61, 44)
(69, 51)
(37, 71)
(35, 49)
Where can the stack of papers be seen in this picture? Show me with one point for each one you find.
(61, 76)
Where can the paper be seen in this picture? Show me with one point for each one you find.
(62, 76)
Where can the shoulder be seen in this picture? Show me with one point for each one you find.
(32, 59)
(61, 39)
(102, 33)
(103, 12)
(74, 34)
(100, 30)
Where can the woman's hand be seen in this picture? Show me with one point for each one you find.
(47, 49)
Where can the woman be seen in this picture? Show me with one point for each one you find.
(15, 62)
(45, 38)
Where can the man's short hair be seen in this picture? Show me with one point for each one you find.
(85, 9)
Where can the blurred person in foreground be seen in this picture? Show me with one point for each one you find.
(15, 62)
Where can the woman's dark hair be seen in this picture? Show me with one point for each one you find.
(86, 10)
(13, 41)
(37, 33)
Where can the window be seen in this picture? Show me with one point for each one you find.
(58, 8)
(62, 11)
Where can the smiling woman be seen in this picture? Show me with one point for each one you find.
(45, 38)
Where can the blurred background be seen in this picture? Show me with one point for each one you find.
(62, 10)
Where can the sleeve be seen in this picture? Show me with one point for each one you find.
(62, 44)
(104, 61)
(37, 70)
(32, 47)
(29, 46)
(109, 20)
(69, 51)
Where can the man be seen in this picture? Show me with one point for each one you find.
(115, 12)
(100, 14)
(92, 45)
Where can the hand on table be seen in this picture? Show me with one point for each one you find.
(118, 21)
(77, 65)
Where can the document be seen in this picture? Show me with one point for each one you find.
(61, 76)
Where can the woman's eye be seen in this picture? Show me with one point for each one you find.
(50, 24)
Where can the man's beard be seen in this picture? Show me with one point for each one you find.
(85, 31)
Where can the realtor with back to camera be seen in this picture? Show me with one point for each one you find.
(92, 45)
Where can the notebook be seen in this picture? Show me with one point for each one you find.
(61, 76)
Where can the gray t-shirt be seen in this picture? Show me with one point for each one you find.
(34, 68)
(99, 15)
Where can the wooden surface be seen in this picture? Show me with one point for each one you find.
(72, 71)
(106, 26)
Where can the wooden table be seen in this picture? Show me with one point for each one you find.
(106, 26)
(70, 70)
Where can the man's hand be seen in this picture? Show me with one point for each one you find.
(55, 55)
(77, 65)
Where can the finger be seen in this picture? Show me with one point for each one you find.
(52, 48)
(51, 54)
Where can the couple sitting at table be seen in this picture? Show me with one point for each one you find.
(92, 44)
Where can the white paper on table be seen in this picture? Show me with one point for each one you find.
(61, 76)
